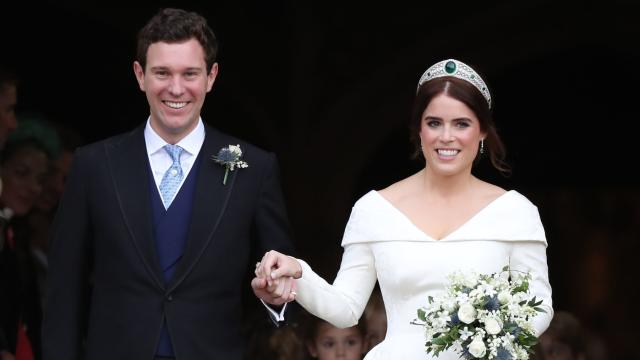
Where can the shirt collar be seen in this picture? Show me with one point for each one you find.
(191, 143)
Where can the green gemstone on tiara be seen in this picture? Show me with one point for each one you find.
(450, 67)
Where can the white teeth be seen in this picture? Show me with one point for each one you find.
(176, 105)
(448, 152)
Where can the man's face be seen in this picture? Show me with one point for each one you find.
(8, 99)
(176, 82)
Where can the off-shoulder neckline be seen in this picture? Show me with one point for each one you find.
(406, 219)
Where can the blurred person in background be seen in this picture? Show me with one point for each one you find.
(328, 342)
(376, 318)
(24, 164)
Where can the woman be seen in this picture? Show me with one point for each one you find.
(414, 233)
(24, 164)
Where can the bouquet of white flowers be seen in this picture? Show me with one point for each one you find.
(484, 316)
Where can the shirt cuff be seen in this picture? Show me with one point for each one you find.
(275, 317)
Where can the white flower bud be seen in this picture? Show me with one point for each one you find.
(467, 313)
(235, 149)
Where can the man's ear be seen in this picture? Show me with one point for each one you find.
(211, 76)
(139, 73)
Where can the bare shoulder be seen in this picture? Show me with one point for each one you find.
(401, 189)
(489, 192)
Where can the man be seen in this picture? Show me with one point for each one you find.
(164, 232)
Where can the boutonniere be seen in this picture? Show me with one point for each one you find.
(230, 157)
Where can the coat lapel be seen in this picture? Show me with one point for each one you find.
(129, 165)
(209, 203)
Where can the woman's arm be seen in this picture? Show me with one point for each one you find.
(340, 303)
(531, 256)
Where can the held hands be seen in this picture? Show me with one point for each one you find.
(275, 278)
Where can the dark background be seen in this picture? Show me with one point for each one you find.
(328, 88)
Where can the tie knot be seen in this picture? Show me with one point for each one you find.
(174, 151)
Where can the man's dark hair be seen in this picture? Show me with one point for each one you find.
(177, 25)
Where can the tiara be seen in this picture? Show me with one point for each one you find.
(458, 70)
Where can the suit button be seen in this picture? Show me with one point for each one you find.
(169, 297)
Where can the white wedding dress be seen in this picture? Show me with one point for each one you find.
(380, 242)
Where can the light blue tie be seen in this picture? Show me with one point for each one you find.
(172, 178)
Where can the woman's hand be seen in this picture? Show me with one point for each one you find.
(275, 265)
(275, 278)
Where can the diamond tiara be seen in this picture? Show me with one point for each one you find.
(457, 69)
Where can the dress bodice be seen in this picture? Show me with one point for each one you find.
(381, 243)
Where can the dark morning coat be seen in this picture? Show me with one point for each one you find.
(103, 235)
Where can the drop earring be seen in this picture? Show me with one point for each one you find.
(481, 146)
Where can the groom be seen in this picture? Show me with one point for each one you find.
(153, 239)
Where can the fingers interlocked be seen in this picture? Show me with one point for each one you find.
(279, 286)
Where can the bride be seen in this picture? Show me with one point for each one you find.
(412, 234)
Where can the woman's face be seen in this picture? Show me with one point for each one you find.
(22, 177)
(450, 135)
(332, 343)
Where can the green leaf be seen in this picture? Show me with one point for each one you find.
(527, 340)
(440, 341)
(533, 302)
(521, 288)
(422, 315)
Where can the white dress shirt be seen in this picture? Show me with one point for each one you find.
(160, 160)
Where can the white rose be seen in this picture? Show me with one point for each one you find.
(477, 348)
(492, 325)
(467, 313)
(504, 297)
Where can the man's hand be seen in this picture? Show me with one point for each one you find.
(280, 292)
(275, 278)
